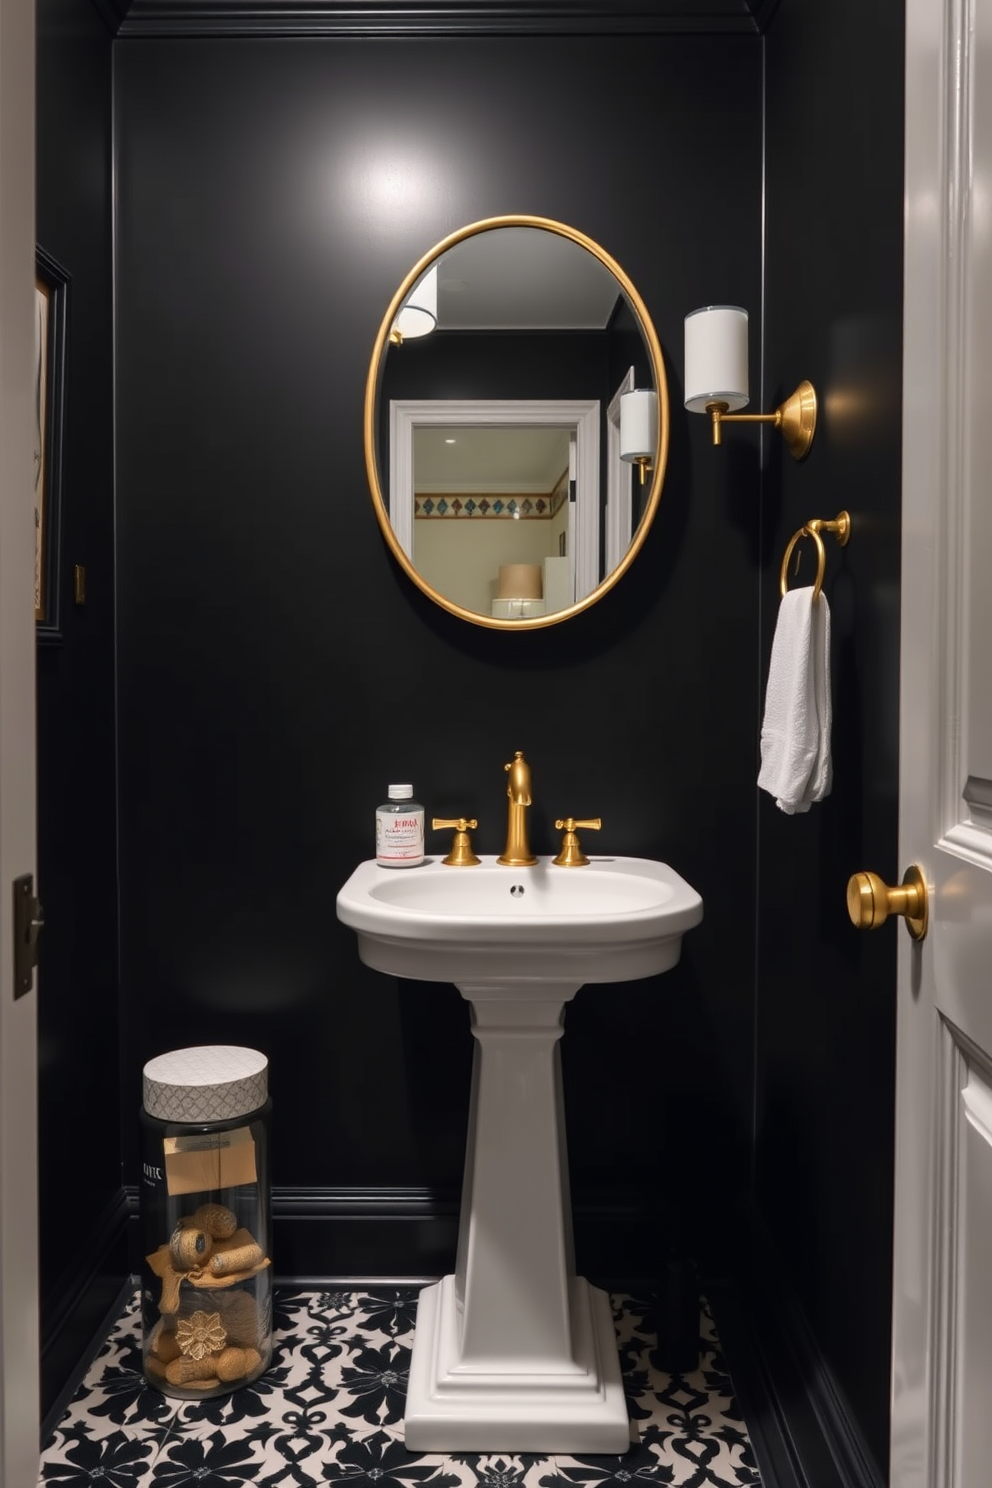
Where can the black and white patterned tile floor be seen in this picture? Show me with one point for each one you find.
(330, 1410)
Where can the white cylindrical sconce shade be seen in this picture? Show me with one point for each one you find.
(419, 314)
(639, 424)
(716, 357)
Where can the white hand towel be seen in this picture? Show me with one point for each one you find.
(796, 764)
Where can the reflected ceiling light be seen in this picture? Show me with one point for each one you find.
(418, 315)
(716, 379)
(639, 428)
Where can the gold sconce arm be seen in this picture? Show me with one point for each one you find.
(461, 854)
(796, 418)
(571, 854)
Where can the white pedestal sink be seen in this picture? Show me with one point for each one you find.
(514, 1352)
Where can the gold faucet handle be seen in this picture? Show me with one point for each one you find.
(571, 855)
(461, 854)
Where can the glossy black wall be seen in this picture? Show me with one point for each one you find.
(825, 999)
(275, 668)
(82, 1206)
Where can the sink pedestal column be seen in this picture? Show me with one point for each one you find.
(515, 1353)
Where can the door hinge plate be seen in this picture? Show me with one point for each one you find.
(29, 918)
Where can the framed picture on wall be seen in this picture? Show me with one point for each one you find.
(50, 303)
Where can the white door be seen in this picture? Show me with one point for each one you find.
(942, 1320)
(18, 1057)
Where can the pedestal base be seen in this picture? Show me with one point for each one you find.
(575, 1405)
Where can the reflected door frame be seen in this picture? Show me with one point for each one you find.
(619, 474)
(580, 416)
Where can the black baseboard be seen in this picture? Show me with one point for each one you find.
(74, 1310)
(413, 1233)
(803, 1430)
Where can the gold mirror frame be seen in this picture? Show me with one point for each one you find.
(534, 622)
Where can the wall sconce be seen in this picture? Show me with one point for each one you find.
(639, 428)
(418, 315)
(716, 378)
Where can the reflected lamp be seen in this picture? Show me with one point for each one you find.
(639, 428)
(418, 314)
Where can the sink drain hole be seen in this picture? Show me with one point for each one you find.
(516, 890)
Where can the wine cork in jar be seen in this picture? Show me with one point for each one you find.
(165, 1346)
(235, 1363)
(187, 1371)
(190, 1246)
(240, 1258)
(219, 1222)
(240, 1317)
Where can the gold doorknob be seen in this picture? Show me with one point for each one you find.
(870, 901)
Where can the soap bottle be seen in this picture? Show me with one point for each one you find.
(399, 830)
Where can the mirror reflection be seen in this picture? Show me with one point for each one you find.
(468, 477)
(493, 429)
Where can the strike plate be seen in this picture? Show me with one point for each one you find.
(28, 921)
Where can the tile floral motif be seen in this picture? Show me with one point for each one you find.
(330, 1411)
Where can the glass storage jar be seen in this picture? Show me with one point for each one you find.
(206, 1275)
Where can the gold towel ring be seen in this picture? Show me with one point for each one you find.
(840, 526)
(821, 561)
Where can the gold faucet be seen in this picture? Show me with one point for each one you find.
(517, 853)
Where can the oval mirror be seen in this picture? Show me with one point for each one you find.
(501, 477)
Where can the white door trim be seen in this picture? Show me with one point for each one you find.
(19, 1394)
(944, 1077)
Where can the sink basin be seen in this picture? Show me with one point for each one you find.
(514, 1352)
(614, 920)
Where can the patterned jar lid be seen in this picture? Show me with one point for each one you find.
(214, 1083)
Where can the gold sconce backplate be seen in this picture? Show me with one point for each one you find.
(798, 419)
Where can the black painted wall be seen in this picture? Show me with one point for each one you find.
(276, 670)
(79, 1023)
(825, 996)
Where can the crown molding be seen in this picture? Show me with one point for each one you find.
(763, 11)
(112, 13)
(400, 18)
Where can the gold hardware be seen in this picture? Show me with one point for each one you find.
(461, 854)
(870, 901)
(79, 584)
(840, 527)
(571, 855)
(796, 418)
(517, 853)
(373, 387)
(29, 921)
